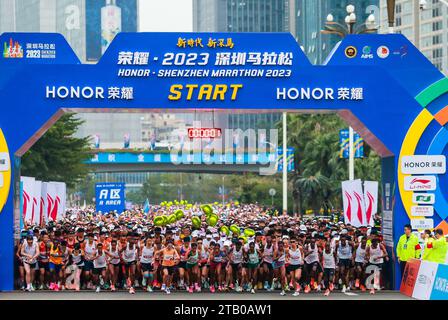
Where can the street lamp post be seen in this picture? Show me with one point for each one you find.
(332, 27)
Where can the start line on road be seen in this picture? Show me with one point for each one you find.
(140, 295)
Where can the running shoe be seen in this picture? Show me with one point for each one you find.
(112, 288)
(363, 288)
(149, 289)
(283, 293)
(136, 284)
(252, 291)
(197, 287)
(266, 285)
(98, 289)
(163, 287)
(144, 282)
(52, 284)
(41, 287)
(314, 285)
(312, 282)
(56, 287)
(307, 289)
(212, 289)
(344, 288)
(296, 294)
(318, 288)
(62, 288)
(219, 288)
(260, 285)
(168, 291)
(372, 291)
(331, 286)
(377, 287)
(327, 292)
(357, 283)
(131, 290)
(190, 289)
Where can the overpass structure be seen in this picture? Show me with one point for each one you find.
(149, 161)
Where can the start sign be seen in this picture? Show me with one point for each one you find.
(110, 197)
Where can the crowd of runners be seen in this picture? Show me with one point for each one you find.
(248, 249)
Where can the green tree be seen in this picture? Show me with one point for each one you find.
(58, 155)
(316, 183)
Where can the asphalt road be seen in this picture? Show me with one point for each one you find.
(140, 295)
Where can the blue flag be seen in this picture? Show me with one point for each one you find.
(146, 206)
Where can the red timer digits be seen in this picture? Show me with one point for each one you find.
(194, 133)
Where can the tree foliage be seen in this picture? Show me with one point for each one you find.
(58, 155)
(316, 183)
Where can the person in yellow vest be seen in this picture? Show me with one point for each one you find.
(408, 247)
(427, 240)
(439, 247)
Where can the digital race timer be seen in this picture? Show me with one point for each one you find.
(204, 133)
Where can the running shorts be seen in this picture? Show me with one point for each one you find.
(345, 263)
(88, 266)
(190, 265)
(329, 273)
(182, 264)
(293, 267)
(170, 269)
(309, 267)
(55, 267)
(147, 267)
(267, 264)
(278, 264)
(98, 271)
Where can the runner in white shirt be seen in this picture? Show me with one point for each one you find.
(147, 262)
(99, 266)
(344, 250)
(329, 264)
(360, 263)
(313, 267)
(375, 254)
(294, 259)
(113, 255)
(29, 253)
(266, 265)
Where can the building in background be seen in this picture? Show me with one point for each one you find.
(308, 18)
(79, 21)
(104, 20)
(242, 16)
(426, 27)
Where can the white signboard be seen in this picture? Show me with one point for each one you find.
(423, 198)
(422, 211)
(425, 280)
(419, 183)
(422, 224)
(423, 164)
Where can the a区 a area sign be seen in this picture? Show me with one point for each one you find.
(380, 84)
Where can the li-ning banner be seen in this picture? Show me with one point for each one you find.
(110, 197)
(360, 206)
(370, 200)
(42, 201)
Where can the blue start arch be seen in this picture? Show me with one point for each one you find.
(380, 84)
